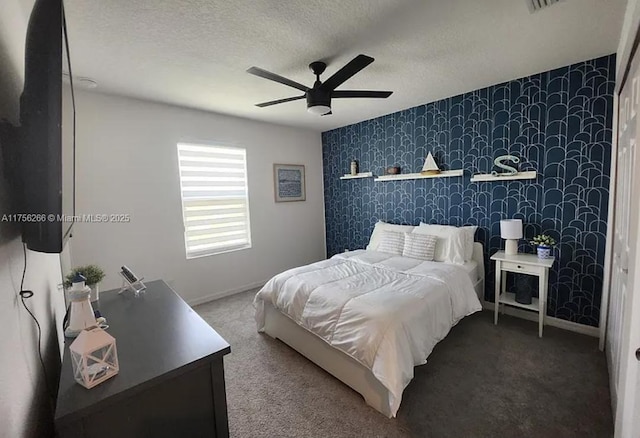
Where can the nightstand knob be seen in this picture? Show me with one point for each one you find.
(519, 267)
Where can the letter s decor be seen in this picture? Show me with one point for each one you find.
(499, 163)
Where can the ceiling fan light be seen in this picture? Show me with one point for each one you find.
(319, 109)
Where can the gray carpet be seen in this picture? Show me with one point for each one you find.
(481, 381)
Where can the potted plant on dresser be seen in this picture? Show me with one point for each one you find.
(94, 275)
(543, 243)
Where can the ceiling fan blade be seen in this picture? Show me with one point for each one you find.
(275, 102)
(353, 67)
(327, 114)
(361, 93)
(276, 78)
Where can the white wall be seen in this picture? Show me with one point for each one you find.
(24, 406)
(13, 28)
(127, 163)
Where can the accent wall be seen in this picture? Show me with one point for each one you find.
(559, 123)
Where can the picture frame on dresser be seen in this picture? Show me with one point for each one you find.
(289, 182)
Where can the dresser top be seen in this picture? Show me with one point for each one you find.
(158, 336)
(525, 259)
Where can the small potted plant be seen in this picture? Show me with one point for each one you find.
(94, 275)
(544, 243)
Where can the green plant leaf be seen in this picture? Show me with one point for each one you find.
(93, 273)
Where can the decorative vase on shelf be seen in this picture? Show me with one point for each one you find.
(354, 167)
(544, 252)
(393, 170)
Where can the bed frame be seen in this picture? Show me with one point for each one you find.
(335, 362)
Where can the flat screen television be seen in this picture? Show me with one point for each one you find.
(47, 162)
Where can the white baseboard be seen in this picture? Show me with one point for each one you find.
(226, 293)
(548, 320)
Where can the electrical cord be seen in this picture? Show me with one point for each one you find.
(24, 295)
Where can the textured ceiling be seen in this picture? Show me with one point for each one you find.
(194, 53)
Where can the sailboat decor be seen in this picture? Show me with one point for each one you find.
(430, 167)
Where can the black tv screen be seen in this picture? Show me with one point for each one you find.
(47, 203)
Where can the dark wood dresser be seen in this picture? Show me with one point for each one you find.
(171, 379)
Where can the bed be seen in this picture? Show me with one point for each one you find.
(368, 317)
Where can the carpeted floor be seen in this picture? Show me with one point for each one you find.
(480, 381)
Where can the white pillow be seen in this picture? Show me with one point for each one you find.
(469, 238)
(391, 242)
(451, 245)
(374, 241)
(470, 233)
(419, 246)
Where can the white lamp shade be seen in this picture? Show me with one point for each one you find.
(511, 228)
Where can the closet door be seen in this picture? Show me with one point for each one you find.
(625, 283)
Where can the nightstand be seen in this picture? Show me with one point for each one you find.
(528, 264)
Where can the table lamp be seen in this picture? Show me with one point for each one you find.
(511, 231)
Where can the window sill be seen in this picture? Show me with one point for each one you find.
(224, 251)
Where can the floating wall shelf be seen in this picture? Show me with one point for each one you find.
(358, 175)
(489, 177)
(401, 176)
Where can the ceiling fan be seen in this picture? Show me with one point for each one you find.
(319, 97)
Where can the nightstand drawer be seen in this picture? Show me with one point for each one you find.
(521, 267)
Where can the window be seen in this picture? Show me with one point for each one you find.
(215, 200)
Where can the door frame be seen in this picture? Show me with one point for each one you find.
(608, 252)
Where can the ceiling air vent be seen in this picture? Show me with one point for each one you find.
(538, 5)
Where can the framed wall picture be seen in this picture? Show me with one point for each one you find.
(289, 182)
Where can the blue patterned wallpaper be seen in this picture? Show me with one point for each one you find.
(558, 122)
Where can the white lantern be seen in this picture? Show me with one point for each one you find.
(94, 357)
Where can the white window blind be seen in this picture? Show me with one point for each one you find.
(215, 200)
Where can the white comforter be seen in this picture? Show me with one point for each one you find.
(385, 311)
